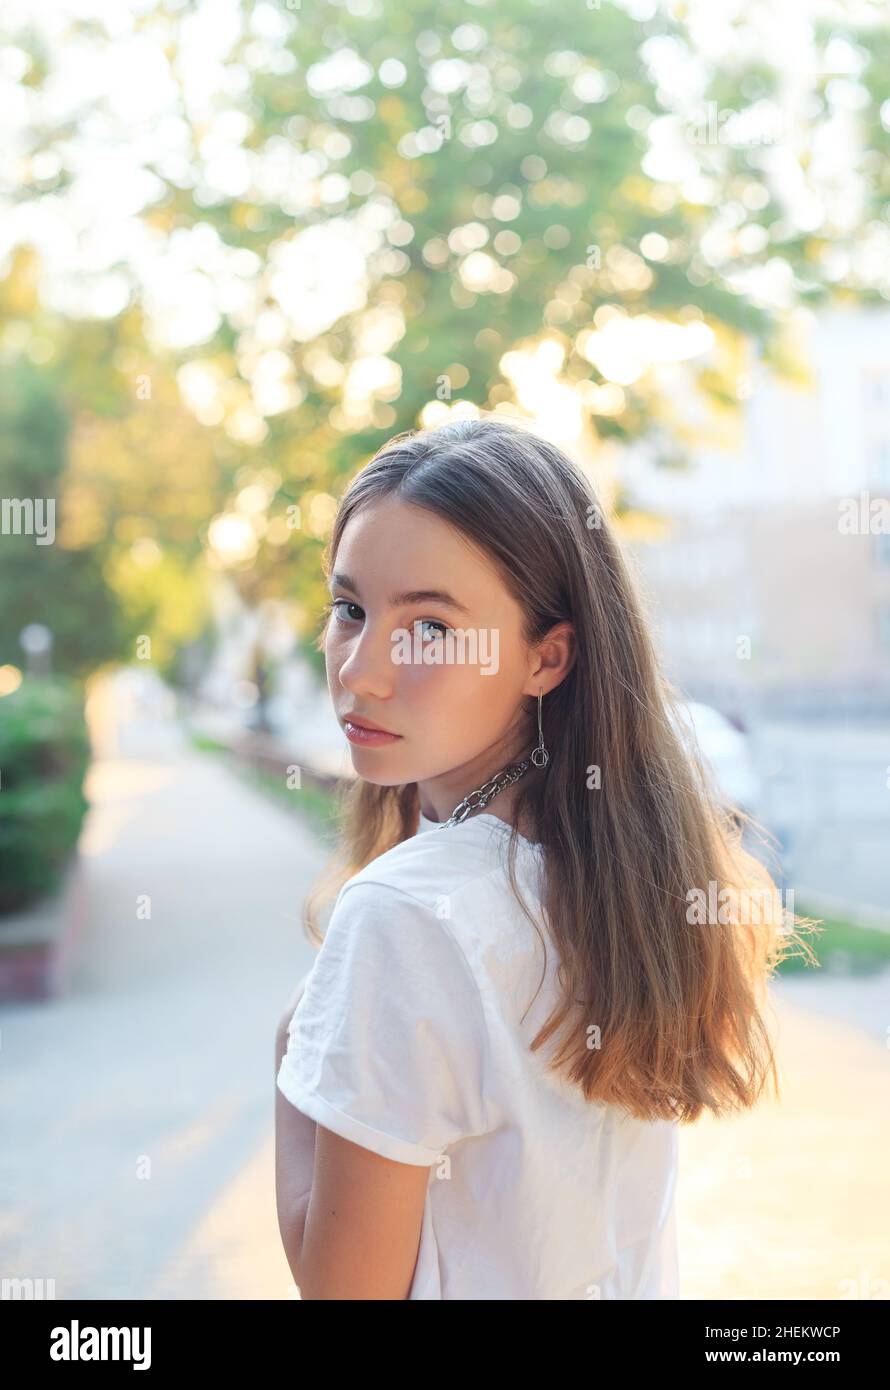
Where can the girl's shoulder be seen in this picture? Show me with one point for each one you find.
(437, 862)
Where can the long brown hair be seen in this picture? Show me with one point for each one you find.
(677, 1001)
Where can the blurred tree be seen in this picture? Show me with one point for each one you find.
(41, 582)
(355, 217)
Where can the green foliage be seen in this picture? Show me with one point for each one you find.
(44, 755)
(46, 583)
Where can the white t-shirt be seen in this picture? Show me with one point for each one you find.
(409, 1040)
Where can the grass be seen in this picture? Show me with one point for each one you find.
(841, 945)
(206, 744)
(312, 804)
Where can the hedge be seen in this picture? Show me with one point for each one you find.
(44, 755)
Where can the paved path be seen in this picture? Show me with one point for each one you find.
(790, 1199)
(137, 1158)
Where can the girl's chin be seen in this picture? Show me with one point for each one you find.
(384, 767)
(378, 777)
(376, 764)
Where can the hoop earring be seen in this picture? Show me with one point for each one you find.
(540, 756)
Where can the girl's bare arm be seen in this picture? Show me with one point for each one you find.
(362, 1225)
(349, 1220)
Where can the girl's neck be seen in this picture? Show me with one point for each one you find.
(503, 806)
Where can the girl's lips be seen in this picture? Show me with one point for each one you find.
(368, 737)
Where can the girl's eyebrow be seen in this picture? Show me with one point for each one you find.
(410, 596)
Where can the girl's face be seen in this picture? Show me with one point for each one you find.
(458, 721)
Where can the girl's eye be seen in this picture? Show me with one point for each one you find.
(335, 606)
(431, 622)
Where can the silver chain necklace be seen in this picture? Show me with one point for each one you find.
(482, 795)
(480, 798)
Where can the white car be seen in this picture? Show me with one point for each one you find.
(726, 750)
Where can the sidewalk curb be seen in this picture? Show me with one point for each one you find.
(37, 944)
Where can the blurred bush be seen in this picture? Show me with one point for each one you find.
(44, 754)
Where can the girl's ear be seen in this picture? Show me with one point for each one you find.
(556, 653)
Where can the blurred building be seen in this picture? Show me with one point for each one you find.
(771, 591)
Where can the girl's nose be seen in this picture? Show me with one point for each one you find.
(369, 667)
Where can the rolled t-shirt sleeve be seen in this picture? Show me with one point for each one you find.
(387, 1044)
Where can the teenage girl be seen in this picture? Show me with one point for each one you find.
(524, 986)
